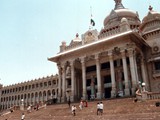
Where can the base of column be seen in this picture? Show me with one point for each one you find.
(63, 99)
(84, 97)
(22, 107)
(99, 95)
(144, 96)
(127, 92)
(59, 100)
(133, 91)
(72, 98)
(113, 94)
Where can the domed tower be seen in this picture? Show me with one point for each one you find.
(150, 29)
(113, 21)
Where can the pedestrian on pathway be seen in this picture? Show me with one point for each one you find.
(69, 102)
(101, 108)
(74, 110)
(81, 105)
(98, 108)
(23, 116)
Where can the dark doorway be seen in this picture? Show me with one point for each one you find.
(107, 92)
(89, 94)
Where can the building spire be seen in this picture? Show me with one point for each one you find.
(118, 4)
(150, 8)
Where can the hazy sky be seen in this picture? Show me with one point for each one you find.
(32, 30)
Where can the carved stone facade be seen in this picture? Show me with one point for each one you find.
(30, 92)
(115, 60)
(99, 65)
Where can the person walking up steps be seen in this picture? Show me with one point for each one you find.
(74, 110)
(69, 102)
(101, 108)
(23, 116)
(98, 108)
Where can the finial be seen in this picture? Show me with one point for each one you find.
(77, 35)
(118, 1)
(150, 8)
(118, 4)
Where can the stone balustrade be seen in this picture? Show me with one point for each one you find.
(149, 95)
(153, 95)
(73, 46)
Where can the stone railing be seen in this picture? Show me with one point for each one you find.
(73, 46)
(147, 95)
(153, 95)
(109, 33)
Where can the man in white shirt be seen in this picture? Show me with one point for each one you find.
(98, 108)
(23, 116)
(101, 108)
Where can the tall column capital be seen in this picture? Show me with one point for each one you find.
(123, 53)
(72, 62)
(110, 54)
(97, 56)
(82, 59)
(131, 52)
(63, 64)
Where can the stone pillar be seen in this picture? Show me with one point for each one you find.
(144, 74)
(136, 67)
(125, 71)
(72, 81)
(113, 92)
(59, 83)
(92, 87)
(63, 83)
(84, 78)
(119, 82)
(98, 71)
(133, 71)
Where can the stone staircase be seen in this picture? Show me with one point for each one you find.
(115, 109)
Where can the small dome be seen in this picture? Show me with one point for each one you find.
(64, 43)
(151, 16)
(124, 20)
(77, 39)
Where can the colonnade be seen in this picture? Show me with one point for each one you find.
(129, 71)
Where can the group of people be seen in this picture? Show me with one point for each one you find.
(81, 105)
(99, 108)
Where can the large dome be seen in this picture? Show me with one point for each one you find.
(119, 12)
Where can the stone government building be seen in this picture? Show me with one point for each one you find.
(31, 92)
(124, 54)
(115, 60)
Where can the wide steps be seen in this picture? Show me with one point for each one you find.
(116, 109)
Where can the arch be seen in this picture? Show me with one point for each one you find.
(41, 84)
(33, 86)
(40, 96)
(25, 96)
(18, 97)
(32, 98)
(19, 89)
(36, 97)
(44, 96)
(26, 87)
(22, 97)
(29, 95)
